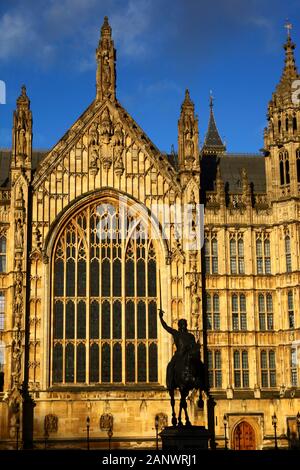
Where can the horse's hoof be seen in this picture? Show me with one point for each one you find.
(180, 424)
(174, 422)
(188, 424)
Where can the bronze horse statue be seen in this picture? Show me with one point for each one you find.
(185, 371)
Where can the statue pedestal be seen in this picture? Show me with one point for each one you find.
(185, 438)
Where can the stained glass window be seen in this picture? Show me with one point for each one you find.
(104, 300)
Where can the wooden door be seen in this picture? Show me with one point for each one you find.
(244, 437)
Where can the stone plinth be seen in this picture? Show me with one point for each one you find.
(184, 438)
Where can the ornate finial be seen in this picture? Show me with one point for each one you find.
(288, 26)
(22, 131)
(187, 133)
(211, 100)
(106, 29)
(106, 56)
(23, 98)
(187, 102)
(187, 98)
(290, 69)
(213, 144)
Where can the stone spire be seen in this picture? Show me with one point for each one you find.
(22, 132)
(188, 135)
(106, 65)
(213, 144)
(282, 136)
(284, 91)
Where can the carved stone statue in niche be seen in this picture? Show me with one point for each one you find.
(22, 150)
(106, 74)
(94, 158)
(37, 237)
(118, 143)
(18, 300)
(94, 149)
(189, 145)
(195, 299)
(195, 303)
(105, 128)
(105, 131)
(93, 135)
(19, 235)
(16, 362)
(19, 203)
(118, 136)
(188, 138)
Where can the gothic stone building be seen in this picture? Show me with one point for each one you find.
(79, 293)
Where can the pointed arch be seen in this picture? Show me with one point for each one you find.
(244, 436)
(104, 329)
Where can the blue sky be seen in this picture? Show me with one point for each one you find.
(232, 47)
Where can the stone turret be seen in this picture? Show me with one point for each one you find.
(282, 135)
(106, 67)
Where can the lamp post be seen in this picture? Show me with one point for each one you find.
(110, 435)
(88, 432)
(110, 430)
(107, 424)
(17, 432)
(274, 423)
(225, 422)
(298, 425)
(46, 437)
(156, 430)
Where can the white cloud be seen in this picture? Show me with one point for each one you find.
(267, 26)
(15, 29)
(68, 30)
(129, 25)
(161, 86)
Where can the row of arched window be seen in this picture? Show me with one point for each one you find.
(241, 368)
(284, 167)
(105, 300)
(237, 256)
(239, 312)
(287, 124)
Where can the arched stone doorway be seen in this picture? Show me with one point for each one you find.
(244, 437)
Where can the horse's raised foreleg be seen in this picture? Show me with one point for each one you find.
(184, 406)
(174, 419)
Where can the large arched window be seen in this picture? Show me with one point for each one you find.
(104, 299)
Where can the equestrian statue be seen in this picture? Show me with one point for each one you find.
(185, 371)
